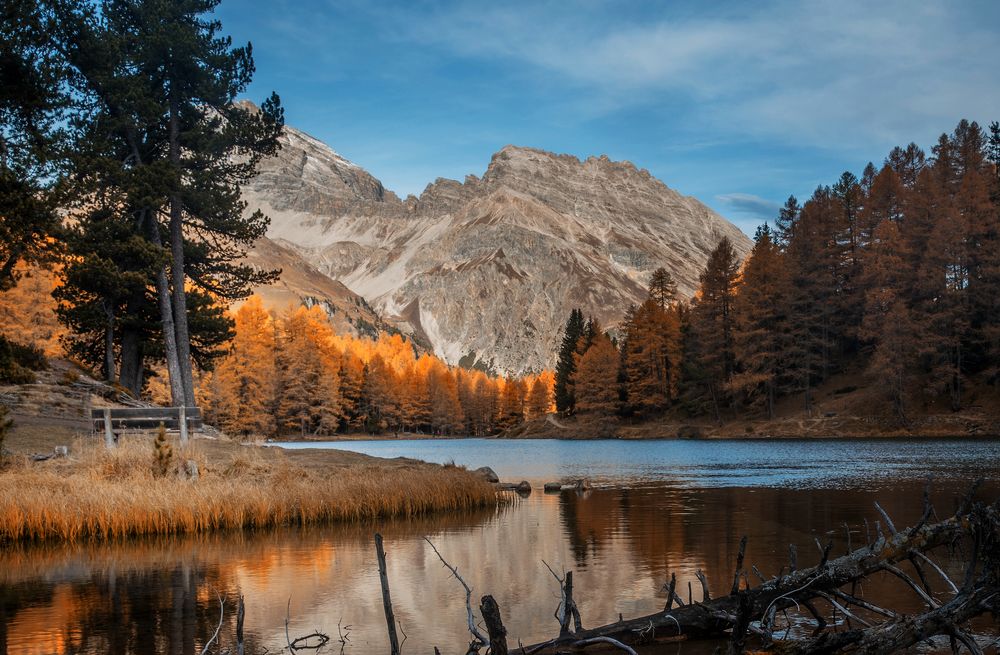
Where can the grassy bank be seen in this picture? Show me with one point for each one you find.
(100, 494)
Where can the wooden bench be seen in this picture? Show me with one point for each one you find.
(114, 420)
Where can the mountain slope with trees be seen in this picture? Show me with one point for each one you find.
(874, 303)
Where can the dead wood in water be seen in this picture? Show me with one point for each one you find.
(383, 577)
(749, 618)
(750, 614)
(494, 626)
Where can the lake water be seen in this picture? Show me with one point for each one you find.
(657, 507)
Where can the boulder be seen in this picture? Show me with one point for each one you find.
(523, 487)
(61, 451)
(488, 474)
(553, 487)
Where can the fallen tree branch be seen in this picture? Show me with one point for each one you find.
(714, 617)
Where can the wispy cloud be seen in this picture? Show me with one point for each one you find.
(842, 73)
(749, 204)
(770, 98)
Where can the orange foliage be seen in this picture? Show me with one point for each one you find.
(293, 367)
(28, 311)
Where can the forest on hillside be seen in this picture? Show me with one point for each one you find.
(893, 275)
(122, 154)
(124, 235)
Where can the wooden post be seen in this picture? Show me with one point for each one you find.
(182, 419)
(390, 619)
(109, 436)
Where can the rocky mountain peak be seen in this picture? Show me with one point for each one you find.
(486, 270)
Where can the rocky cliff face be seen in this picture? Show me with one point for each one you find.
(487, 270)
(303, 284)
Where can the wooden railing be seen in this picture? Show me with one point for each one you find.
(114, 420)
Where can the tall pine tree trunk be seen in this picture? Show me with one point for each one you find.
(110, 374)
(167, 322)
(177, 265)
(148, 221)
(130, 372)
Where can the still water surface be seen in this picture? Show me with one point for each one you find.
(657, 507)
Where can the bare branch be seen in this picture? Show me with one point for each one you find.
(933, 565)
(218, 628)
(888, 521)
(480, 637)
(908, 580)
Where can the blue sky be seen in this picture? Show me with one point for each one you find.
(739, 104)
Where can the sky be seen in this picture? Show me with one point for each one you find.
(739, 104)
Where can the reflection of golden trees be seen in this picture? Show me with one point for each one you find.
(678, 530)
(159, 595)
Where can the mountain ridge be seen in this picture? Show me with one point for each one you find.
(486, 269)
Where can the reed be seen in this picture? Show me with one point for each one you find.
(108, 495)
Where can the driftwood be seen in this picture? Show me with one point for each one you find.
(751, 613)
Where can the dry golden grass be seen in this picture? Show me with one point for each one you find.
(105, 495)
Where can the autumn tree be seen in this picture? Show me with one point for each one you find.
(512, 399)
(445, 408)
(539, 400)
(244, 381)
(308, 365)
(379, 399)
(813, 265)
(28, 311)
(596, 378)
(710, 346)
(788, 215)
(888, 325)
(760, 324)
(662, 288)
(651, 356)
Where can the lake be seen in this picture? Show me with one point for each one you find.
(656, 508)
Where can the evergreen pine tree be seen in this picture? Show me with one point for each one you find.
(164, 134)
(32, 104)
(566, 363)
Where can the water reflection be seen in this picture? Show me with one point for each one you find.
(798, 463)
(159, 596)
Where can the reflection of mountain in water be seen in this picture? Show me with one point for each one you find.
(159, 596)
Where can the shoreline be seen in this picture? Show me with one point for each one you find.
(211, 485)
(302, 444)
(582, 428)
